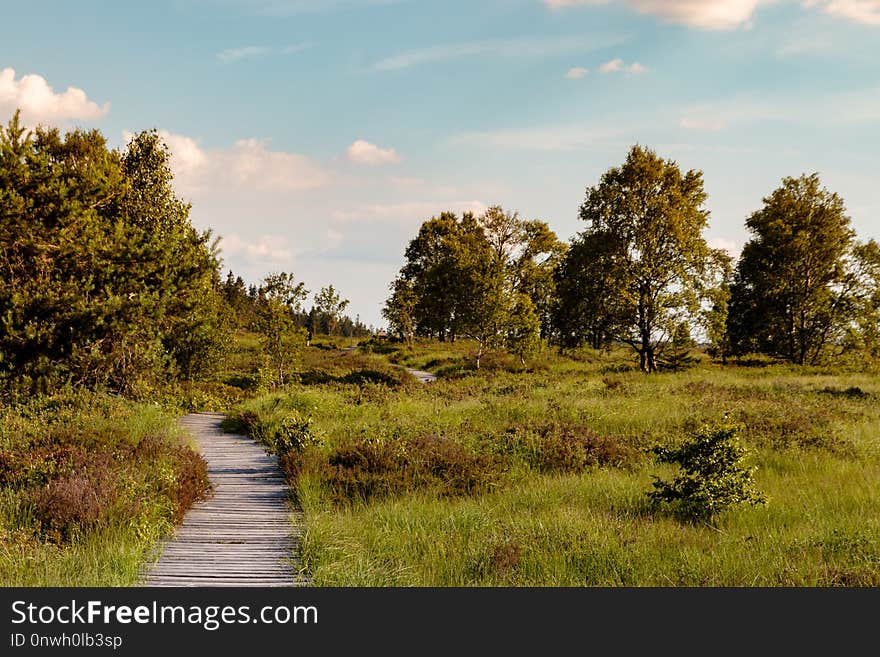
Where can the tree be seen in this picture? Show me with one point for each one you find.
(282, 340)
(523, 329)
(715, 316)
(432, 272)
(463, 276)
(330, 305)
(535, 270)
(193, 320)
(588, 307)
(104, 280)
(400, 309)
(863, 334)
(645, 223)
(797, 284)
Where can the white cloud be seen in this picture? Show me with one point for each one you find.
(406, 181)
(861, 11)
(707, 124)
(251, 163)
(410, 212)
(250, 52)
(617, 65)
(793, 46)
(268, 249)
(704, 14)
(333, 238)
(39, 102)
(245, 52)
(546, 138)
(363, 152)
(612, 66)
(509, 48)
(829, 112)
(732, 248)
(247, 164)
(728, 14)
(186, 156)
(576, 72)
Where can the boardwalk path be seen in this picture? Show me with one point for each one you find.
(246, 534)
(422, 376)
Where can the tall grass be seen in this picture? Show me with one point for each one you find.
(556, 512)
(89, 483)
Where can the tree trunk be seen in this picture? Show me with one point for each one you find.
(652, 361)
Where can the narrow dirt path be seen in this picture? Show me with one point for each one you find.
(246, 534)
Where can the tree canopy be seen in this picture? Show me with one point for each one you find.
(104, 279)
(639, 272)
(803, 280)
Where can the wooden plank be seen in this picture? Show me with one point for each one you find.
(247, 533)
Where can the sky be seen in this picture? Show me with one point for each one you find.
(315, 136)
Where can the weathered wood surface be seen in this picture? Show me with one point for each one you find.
(247, 533)
(422, 376)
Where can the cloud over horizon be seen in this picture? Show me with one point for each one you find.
(39, 102)
(247, 163)
(727, 14)
(363, 152)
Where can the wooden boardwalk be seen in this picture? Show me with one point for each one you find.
(246, 534)
(422, 375)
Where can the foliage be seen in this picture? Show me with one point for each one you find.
(523, 329)
(472, 276)
(104, 280)
(400, 309)
(89, 472)
(802, 281)
(712, 476)
(717, 312)
(642, 259)
(587, 308)
(330, 305)
(282, 340)
(378, 468)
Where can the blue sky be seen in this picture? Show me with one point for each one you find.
(314, 136)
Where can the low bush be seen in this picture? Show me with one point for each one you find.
(71, 467)
(560, 448)
(376, 468)
(712, 476)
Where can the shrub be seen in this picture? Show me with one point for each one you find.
(555, 448)
(73, 502)
(293, 435)
(712, 476)
(81, 490)
(370, 468)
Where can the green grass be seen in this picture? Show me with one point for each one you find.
(551, 519)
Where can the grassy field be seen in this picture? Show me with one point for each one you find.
(512, 475)
(89, 483)
(538, 475)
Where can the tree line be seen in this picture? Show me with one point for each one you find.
(105, 282)
(641, 273)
